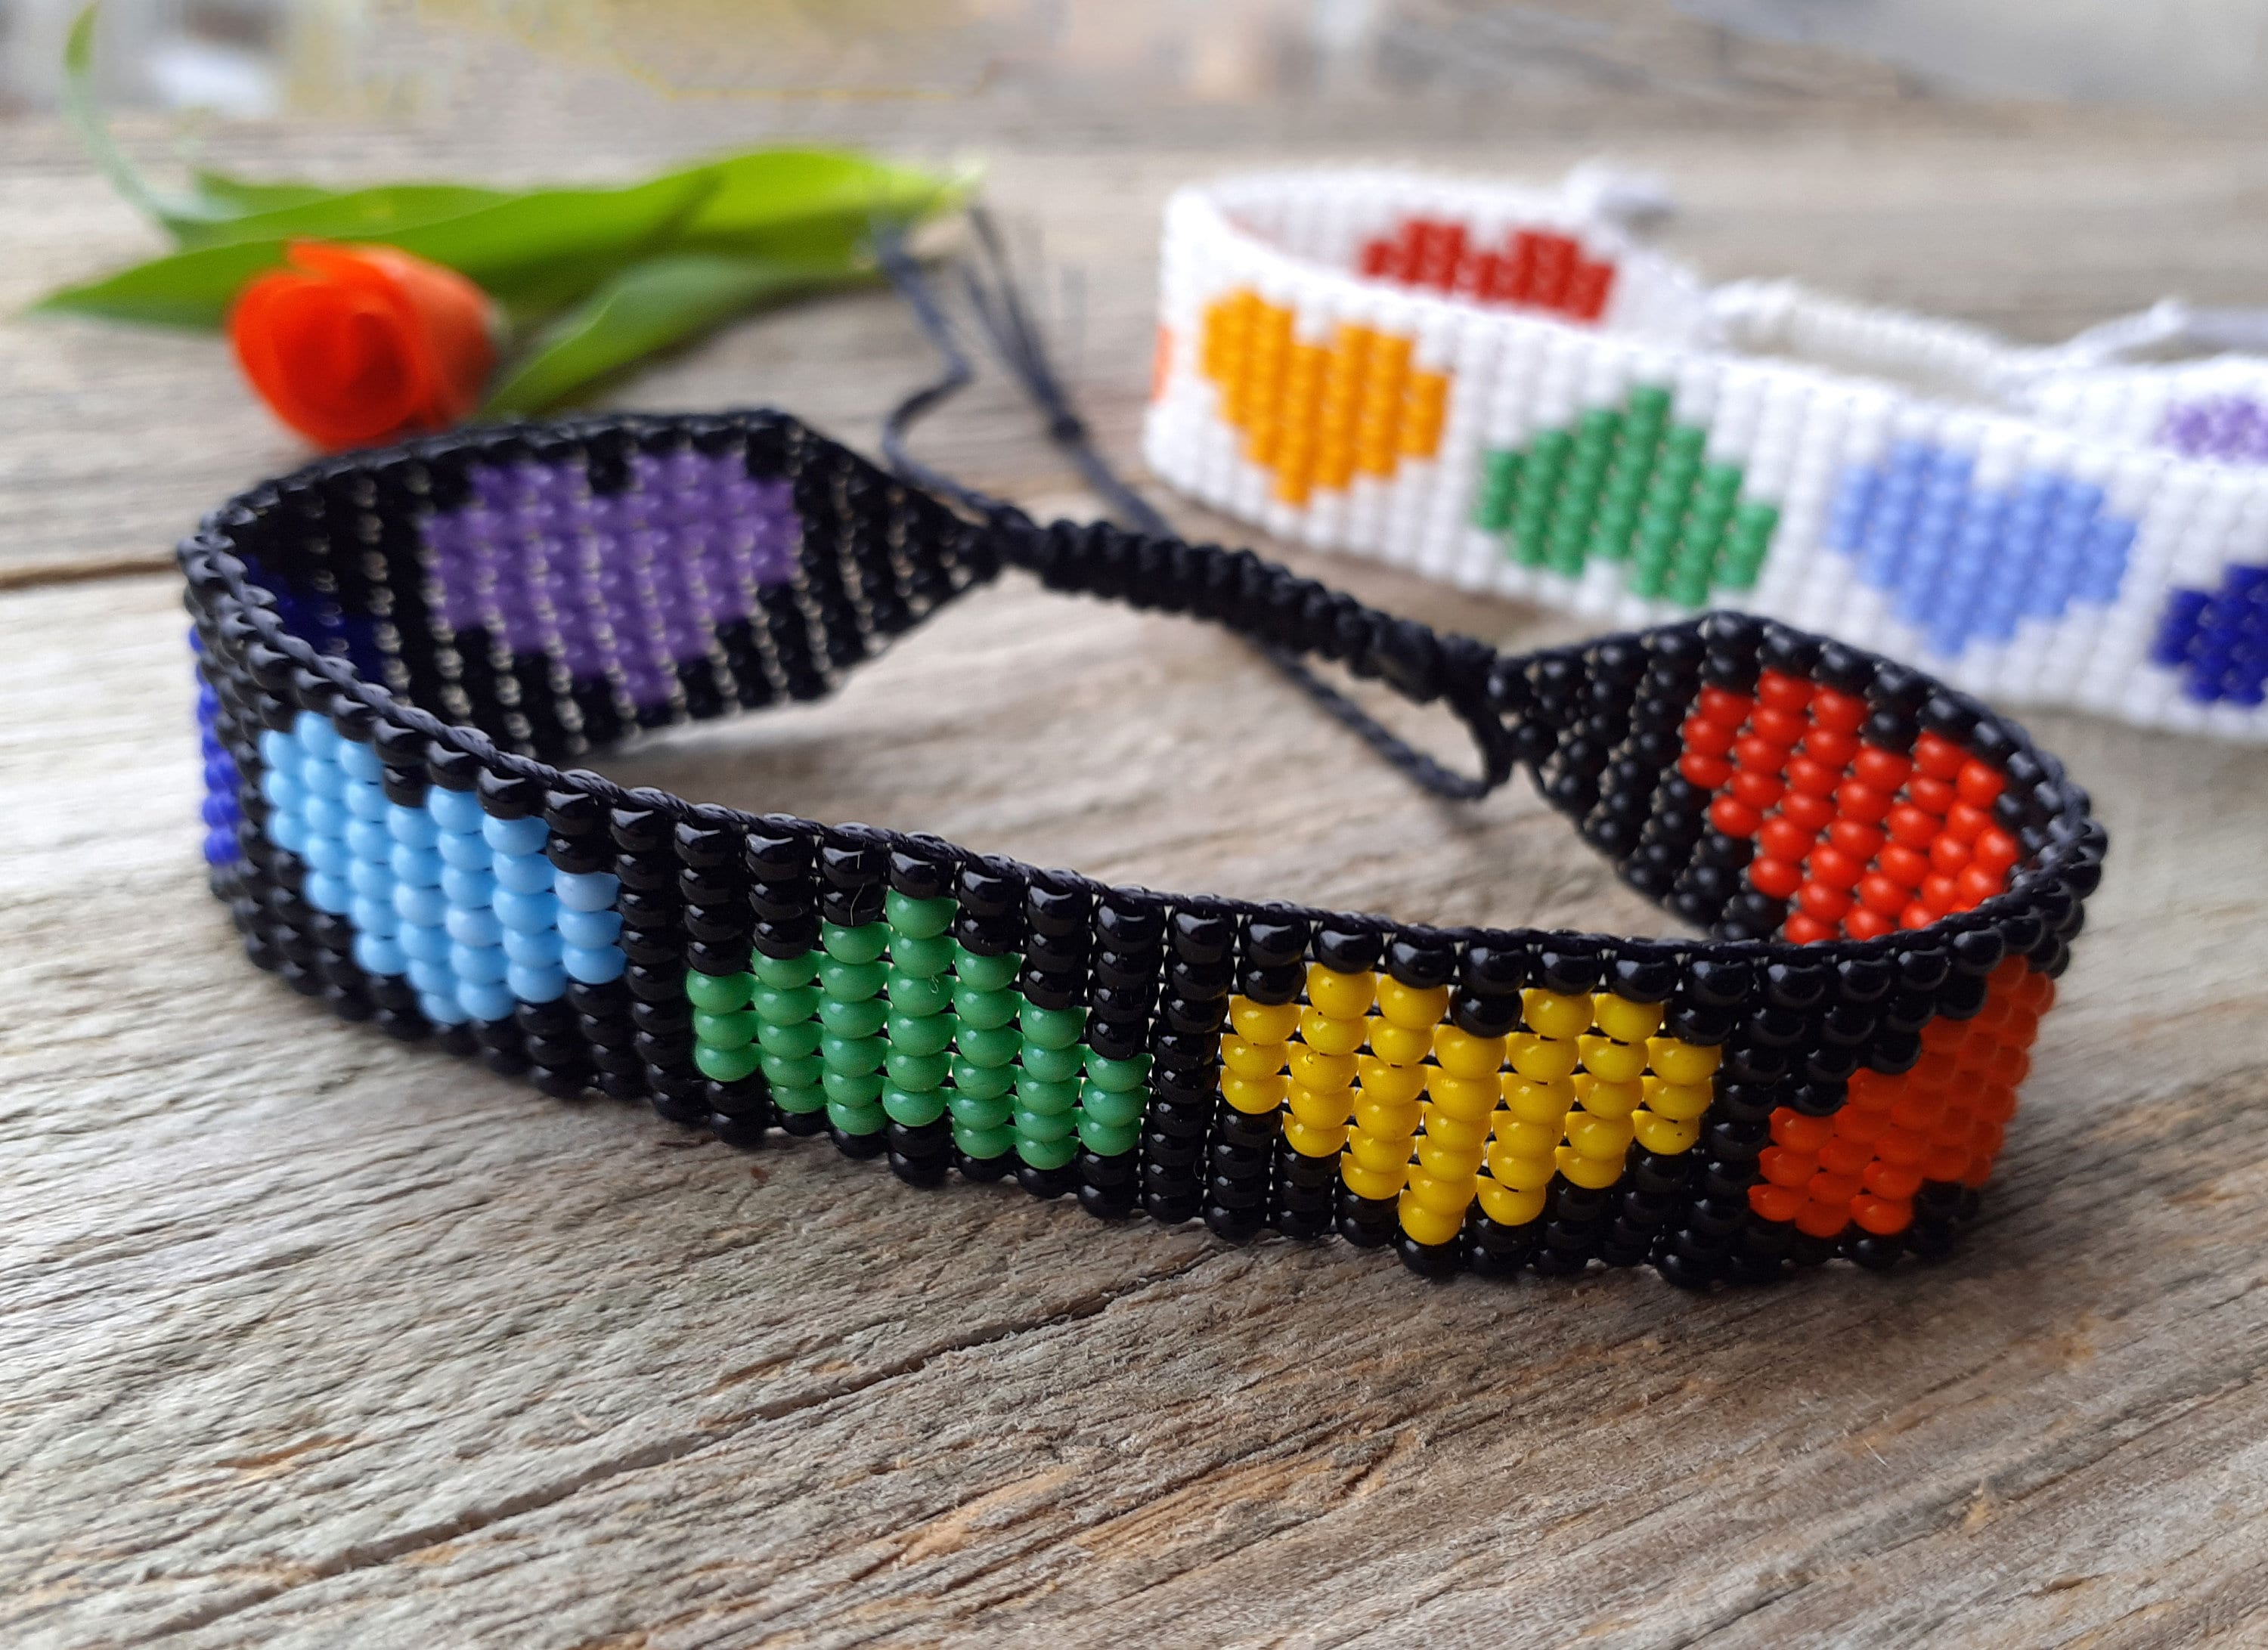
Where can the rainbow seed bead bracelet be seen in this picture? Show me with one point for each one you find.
(399, 651)
(1497, 387)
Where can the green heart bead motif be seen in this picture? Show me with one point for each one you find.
(726, 1065)
(916, 919)
(718, 993)
(866, 943)
(794, 1041)
(1630, 485)
(1054, 1065)
(726, 1031)
(984, 974)
(786, 972)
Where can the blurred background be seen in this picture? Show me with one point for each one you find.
(439, 59)
(2036, 165)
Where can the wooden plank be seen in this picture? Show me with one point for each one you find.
(311, 1339)
(314, 1339)
(114, 439)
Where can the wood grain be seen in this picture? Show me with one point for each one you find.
(308, 1339)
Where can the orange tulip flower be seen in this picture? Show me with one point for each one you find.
(356, 345)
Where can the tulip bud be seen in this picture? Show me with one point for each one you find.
(354, 345)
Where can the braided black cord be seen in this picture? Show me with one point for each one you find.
(1016, 339)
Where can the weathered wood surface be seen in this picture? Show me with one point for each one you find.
(307, 1339)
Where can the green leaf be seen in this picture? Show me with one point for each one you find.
(650, 306)
(811, 202)
(189, 289)
(539, 251)
(534, 253)
(379, 213)
(226, 195)
(84, 113)
(215, 198)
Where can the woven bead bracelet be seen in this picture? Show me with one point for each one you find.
(397, 651)
(1492, 387)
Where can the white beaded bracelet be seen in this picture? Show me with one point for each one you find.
(1499, 387)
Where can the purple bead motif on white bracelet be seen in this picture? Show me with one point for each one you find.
(2231, 427)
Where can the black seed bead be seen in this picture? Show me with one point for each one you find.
(1274, 937)
(1170, 1208)
(858, 1146)
(1848, 1025)
(1479, 1016)
(1048, 1184)
(1692, 1022)
(1050, 990)
(723, 922)
(1892, 1050)
(1842, 668)
(1421, 960)
(705, 844)
(1790, 652)
(565, 1081)
(643, 825)
(1435, 1261)
(1977, 951)
(1347, 949)
(779, 851)
(1807, 1250)
(394, 993)
(1235, 1224)
(1820, 1099)
(979, 1169)
(1272, 986)
(1247, 1196)
(1931, 1243)
(1203, 938)
(1497, 970)
(1797, 985)
(1566, 970)
(1923, 969)
(1719, 982)
(1642, 979)
(1614, 837)
(708, 957)
(623, 1086)
(922, 870)
(1494, 1250)
(1555, 1262)
(1876, 1253)
(1733, 1142)
(1129, 920)
(1367, 1222)
(1830, 1066)
(1110, 1202)
(1059, 906)
(749, 1098)
(1625, 1244)
(1962, 996)
(1731, 642)
(1756, 914)
(351, 1003)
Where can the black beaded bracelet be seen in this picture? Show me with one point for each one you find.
(398, 649)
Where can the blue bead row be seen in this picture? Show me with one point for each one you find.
(2218, 640)
(1965, 563)
(221, 810)
(465, 905)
